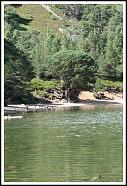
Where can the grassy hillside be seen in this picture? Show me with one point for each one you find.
(42, 19)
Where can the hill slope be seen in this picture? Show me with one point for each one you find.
(45, 16)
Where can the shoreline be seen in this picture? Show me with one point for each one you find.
(90, 102)
(16, 111)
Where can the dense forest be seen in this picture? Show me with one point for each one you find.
(81, 51)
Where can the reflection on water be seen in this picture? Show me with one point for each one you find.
(77, 144)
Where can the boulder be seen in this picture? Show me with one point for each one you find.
(99, 95)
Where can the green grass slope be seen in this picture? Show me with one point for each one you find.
(42, 19)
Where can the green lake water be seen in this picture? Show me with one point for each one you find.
(81, 144)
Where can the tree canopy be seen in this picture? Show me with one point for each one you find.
(75, 68)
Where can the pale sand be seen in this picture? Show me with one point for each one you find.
(85, 103)
(87, 98)
(86, 95)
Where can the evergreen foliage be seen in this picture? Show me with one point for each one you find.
(75, 68)
(89, 30)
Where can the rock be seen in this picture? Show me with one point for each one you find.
(63, 101)
(12, 167)
(95, 178)
(99, 95)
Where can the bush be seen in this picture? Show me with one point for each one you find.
(107, 85)
(39, 84)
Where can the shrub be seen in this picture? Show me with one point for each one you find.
(39, 84)
(107, 85)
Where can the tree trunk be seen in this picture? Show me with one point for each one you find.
(72, 95)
